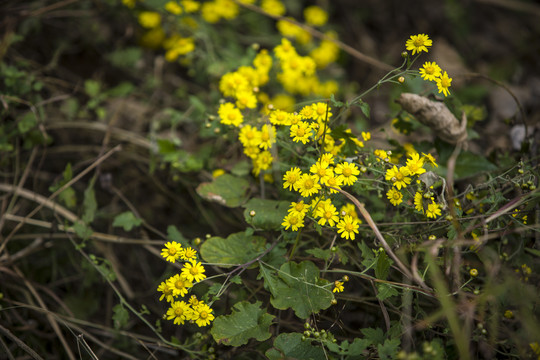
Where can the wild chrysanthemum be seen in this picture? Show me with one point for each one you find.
(249, 136)
(348, 227)
(333, 182)
(149, 19)
(347, 172)
(418, 43)
(180, 311)
(263, 161)
(338, 286)
(348, 209)
(179, 284)
(443, 83)
(315, 16)
(299, 208)
(193, 271)
(307, 112)
(230, 115)
(202, 314)
(279, 117)
(262, 61)
(246, 99)
(430, 159)
(419, 201)
(398, 177)
(415, 164)
(291, 178)
(293, 220)
(395, 196)
(430, 70)
(327, 214)
(321, 111)
(433, 210)
(308, 185)
(268, 136)
(189, 254)
(322, 170)
(366, 135)
(301, 132)
(167, 291)
(172, 251)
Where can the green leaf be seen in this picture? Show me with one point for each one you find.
(291, 346)
(26, 122)
(299, 287)
(389, 349)
(269, 214)
(247, 321)
(126, 220)
(386, 291)
(120, 316)
(236, 249)
(368, 259)
(125, 57)
(376, 336)
(383, 265)
(364, 107)
(227, 190)
(82, 230)
(89, 204)
(323, 254)
(469, 164)
(92, 88)
(356, 348)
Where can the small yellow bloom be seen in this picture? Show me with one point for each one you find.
(443, 83)
(315, 16)
(418, 43)
(338, 286)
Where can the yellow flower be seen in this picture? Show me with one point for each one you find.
(308, 185)
(180, 312)
(166, 290)
(349, 209)
(202, 314)
(418, 43)
(279, 117)
(172, 251)
(291, 178)
(433, 210)
(347, 227)
(347, 172)
(322, 170)
(315, 16)
(301, 132)
(268, 136)
(179, 285)
(321, 111)
(246, 99)
(300, 208)
(419, 201)
(307, 112)
(338, 286)
(398, 177)
(443, 83)
(328, 213)
(430, 70)
(230, 115)
(273, 7)
(149, 19)
(473, 272)
(415, 164)
(189, 254)
(193, 271)
(395, 196)
(293, 220)
(249, 136)
(430, 159)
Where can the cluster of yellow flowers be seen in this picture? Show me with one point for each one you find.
(401, 176)
(322, 175)
(430, 71)
(179, 285)
(297, 76)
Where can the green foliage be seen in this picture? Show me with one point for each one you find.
(268, 214)
(297, 286)
(120, 317)
(292, 346)
(247, 321)
(126, 220)
(227, 190)
(236, 249)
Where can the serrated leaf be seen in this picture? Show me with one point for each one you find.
(389, 349)
(386, 291)
(227, 190)
(356, 348)
(291, 346)
(126, 220)
(469, 164)
(376, 336)
(236, 249)
(300, 288)
(247, 321)
(383, 265)
(364, 107)
(323, 254)
(120, 316)
(82, 230)
(269, 214)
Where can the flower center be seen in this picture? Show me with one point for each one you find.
(178, 311)
(308, 184)
(347, 172)
(179, 284)
(203, 315)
